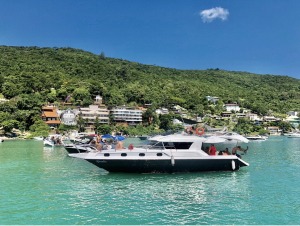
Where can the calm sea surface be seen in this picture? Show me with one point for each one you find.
(44, 186)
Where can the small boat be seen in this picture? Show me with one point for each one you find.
(257, 137)
(79, 146)
(53, 140)
(293, 135)
(143, 137)
(164, 154)
(48, 143)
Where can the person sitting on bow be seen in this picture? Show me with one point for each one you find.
(239, 148)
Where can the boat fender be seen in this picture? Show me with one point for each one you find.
(233, 165)
(200, 131)
(172, 160)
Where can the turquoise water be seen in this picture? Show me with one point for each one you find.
(44, 186)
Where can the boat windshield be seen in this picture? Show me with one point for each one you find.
(156, 145)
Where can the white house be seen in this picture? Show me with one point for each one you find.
(292, 113)
(270, 119)
(98, 99)
(212, 99)
(162, 111)
(232, 107)
(68, 117)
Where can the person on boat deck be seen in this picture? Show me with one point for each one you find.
(93, 143)
(239, 148)
(104, 144)
(212, 150)
(226, 152)
(99, 147)
(119, 145)
(190, 130)
(98, 138)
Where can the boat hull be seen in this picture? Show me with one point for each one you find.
(167, 166)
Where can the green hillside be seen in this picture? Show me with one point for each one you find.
(29, 73)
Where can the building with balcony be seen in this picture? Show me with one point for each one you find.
(270, 119)
(274, 130)
(130, 116)
(92, 114)
(293, 118)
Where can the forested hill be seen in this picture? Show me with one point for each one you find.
(32, 72)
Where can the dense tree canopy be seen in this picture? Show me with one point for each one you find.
(33, 76)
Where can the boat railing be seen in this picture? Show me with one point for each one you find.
(157, 147)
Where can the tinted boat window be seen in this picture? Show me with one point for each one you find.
(169, 145)
(182, 145)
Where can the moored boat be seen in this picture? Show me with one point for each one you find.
(293, 135)
(78, 148)
(257, 137)
(53, 140)
(143, 137)
(167, 154)
(48, 143)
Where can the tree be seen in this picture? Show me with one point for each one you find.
(166, 122)
(104, 129)
(80, 95)
(39, 128)
(148, 116)
(8, 125)
(96, 123)
(80, 124)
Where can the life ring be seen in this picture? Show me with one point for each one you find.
(200, 131)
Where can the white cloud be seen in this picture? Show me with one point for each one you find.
(208, 15)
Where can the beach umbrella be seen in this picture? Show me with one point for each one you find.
(107, 136)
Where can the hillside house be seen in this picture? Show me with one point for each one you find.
(68, 117)
(50, 116)
(232, 107)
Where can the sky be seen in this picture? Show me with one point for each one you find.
(256, 36)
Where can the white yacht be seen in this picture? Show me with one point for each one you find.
(257, 138)
(293, 135)
(171, 153)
